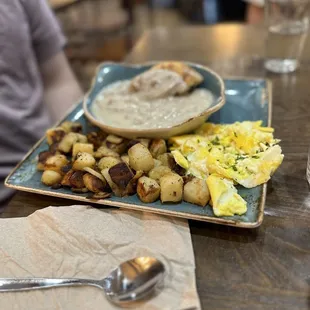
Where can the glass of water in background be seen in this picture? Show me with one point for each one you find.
(287, 22)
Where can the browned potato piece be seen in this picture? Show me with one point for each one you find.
(96, 138)
(66, 179)
(82, 147)
(158, 147)
(54, 135)
(148, 190)
(76, 180)
(157, 172)
(108, 162)
(55, 163)
(140, 158)
(67, 142)
(171, 188)
(53, 148)
(50, 177)
(196, 191)
(93, 184)
(104, 151)
(145, 142)
(119, 189)
(83, 160)
(42, 158)
(113, 186)
(121, 175)
(71, 127)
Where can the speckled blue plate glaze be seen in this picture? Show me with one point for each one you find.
(246, 99)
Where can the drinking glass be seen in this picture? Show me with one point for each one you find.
(308, 168)
(287, 23)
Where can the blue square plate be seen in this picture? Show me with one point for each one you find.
(246, 99)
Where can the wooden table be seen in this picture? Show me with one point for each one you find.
(264, 268)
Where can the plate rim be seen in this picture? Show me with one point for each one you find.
(185, 215)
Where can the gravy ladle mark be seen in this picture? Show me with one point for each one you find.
(130, 281)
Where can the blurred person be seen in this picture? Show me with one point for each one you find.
(37, 85)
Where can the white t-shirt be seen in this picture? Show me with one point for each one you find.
(29, 36)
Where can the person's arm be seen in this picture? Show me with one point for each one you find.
(255, 11)
(61, 89)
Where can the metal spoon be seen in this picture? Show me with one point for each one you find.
(130, 281)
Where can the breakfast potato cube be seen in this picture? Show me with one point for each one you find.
(50, 177)
(84, 160)
(76, 180)
(82, 148)
(121, 175)
(166, 159)
(66, 179)
(157, 163)
(93, 184)
(158, 147)
(114, 139)
(96, 138)
(131, 143)
(55, 163)
(81, 138)
(145, 142)
(67, 142)
(108, 162)
(119, 148)
(148, 190)
(125, 159)
(140, 158)
(104, 151)
(71, 126)
(157, 172)
(115, 189)
(54, 135)
(42, 158)
(95, 173)
(171, 188)
(196, 191)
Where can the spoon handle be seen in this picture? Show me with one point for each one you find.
(24, 284)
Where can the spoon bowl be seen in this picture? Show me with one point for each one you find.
(134, 279)
(131, 281)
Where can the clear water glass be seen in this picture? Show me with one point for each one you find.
(287, 23)
(308, 168)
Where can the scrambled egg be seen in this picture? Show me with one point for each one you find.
(245, 153)
(225, 199)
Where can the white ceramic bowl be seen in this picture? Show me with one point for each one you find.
(108, 73)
